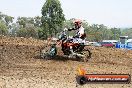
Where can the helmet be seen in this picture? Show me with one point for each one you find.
(77, 21)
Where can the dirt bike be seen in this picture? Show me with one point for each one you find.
(69, 48)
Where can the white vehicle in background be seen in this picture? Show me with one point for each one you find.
(111, 41)
(95, 44)
(129, 40)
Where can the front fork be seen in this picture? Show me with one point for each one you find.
(71, 50)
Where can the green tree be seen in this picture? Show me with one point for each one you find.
(42, 34)
(27, 32)
(52, 16)
(127, 32)
(95, 32)
(21, 21)
(21, 32)
(115, 33)
(37, 21)
(14, 28)
(3, 29)
(8, 19)
(32, 32)
(69, 23)
(1, 15)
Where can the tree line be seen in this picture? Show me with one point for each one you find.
(52, 22)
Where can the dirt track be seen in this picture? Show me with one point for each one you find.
(20, 66)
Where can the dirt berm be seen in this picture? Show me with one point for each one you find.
(21, 66)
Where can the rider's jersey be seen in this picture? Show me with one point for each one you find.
(80, 31)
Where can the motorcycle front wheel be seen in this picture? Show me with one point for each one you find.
(87, 55)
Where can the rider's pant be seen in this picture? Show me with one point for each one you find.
(78, 40)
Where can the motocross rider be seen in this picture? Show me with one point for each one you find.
(80, 33)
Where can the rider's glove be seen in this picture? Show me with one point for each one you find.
(65, 29)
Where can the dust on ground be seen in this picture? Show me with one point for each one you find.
(21, 66)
